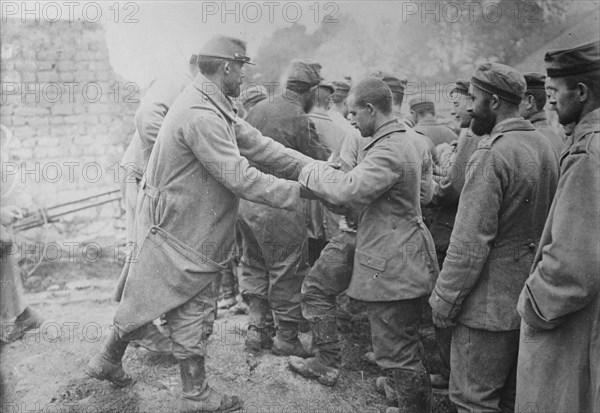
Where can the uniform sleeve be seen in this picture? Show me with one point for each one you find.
(307, 139)
(381, 168)
(268, 155)
(449, 188)
(214, 146)
(475, 228)
(567, 278)
(427, 187)
(349, 151)
(155, 105)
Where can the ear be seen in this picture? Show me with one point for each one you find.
(494, 102)
(583, 92)
(530, 101)
(226, 67)
(371, 108)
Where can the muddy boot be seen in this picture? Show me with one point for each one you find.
(257, 337)
(197, 396)
(325, 365)
(413, 390)
(385, 386)
(107, 364)
(286, 342)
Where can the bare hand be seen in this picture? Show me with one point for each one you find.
(442, 321)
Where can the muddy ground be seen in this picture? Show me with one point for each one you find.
(43, 372)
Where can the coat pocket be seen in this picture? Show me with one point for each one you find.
(371, 261)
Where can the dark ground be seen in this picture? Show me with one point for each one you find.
(44, 370)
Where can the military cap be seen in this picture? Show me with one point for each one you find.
(535, 80)
(574, 61)
(224, 47)
(341, 91)
(327, 85)
(305, 72)
(501, 80)
(420, 102)
(395, 84)
(253, 95)
(461, 87)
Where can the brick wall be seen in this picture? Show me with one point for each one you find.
(71, 116)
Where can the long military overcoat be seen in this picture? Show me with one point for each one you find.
(188, 203)
(510, 183)
(559, 354)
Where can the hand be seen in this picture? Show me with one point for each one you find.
(334, 165)
(10, 214)
(442, 321)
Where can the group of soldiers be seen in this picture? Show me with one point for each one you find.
(493, 224)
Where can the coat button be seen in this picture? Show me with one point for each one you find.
(153, 231)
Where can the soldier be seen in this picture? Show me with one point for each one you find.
(445, 195)
(559, 361)
(393, 267)
(274, 241)
(185, 220)
(423, 112)
(532, 108)
(322, 223)
(339, 110)
(511, 179)
(155, 104)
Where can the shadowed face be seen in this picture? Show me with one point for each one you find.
(563, 100)
(361, 117)
(460, 112)
(234, 76)
(479, 107)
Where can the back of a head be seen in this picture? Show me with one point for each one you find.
(422, 106)
(374, 91)
(397, 85)
(323, 97)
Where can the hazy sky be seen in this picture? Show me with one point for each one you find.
(146, 38)
(166, 33)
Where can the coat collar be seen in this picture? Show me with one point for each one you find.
(384, 130)
(212, 93)
(589, 123)
(507, 125)
(579, 140)
(538, 117)
(512, 124)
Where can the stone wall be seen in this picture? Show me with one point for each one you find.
(70, 114)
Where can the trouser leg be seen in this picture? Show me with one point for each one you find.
(398, 350)
(483, 369)
(191, 324)
(329, 277)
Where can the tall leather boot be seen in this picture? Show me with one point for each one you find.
(197, 396)
(257, 337)
(286, 342)
(107, 364)
(413, 390)
(324, 367)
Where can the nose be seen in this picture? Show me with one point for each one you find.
(470, 107)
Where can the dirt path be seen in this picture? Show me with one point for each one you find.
(43, 372)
